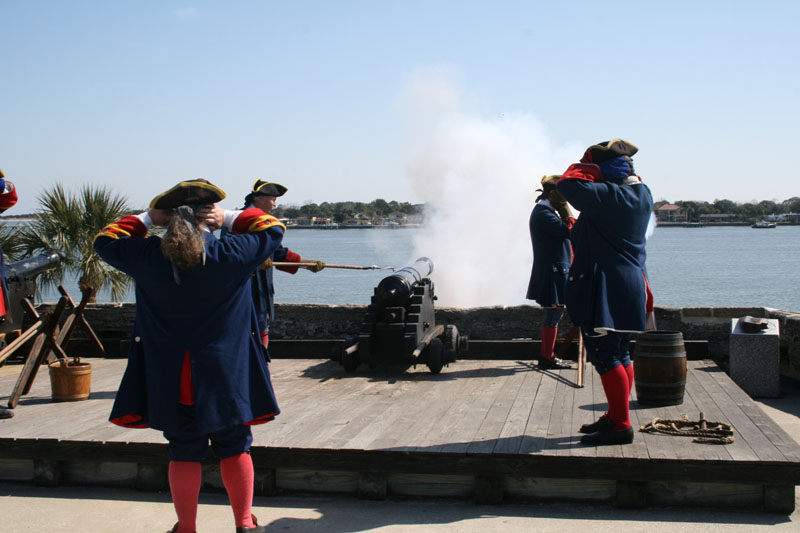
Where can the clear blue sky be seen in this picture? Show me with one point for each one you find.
(324, 96)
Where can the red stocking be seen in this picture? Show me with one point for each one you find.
(237, 476)
(184, 484)
(615, 385)
(549, 335)
(629, 371)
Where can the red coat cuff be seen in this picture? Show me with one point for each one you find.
(8, 199)
(292, 258)
(127, 226)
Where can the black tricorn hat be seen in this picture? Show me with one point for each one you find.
(266, 188)
(189, 192)
(610, 149)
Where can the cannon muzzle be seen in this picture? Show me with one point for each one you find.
(395, 290)
(31, 267)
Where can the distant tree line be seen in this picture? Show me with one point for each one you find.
(745, 210)
(341, 211)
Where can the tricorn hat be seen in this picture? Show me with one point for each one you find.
(189, 192)
(597, 153)
(266, 188)
(546, 180)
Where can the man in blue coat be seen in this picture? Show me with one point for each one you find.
(607, 292)
(196, 369)
(264, 196)
(549, 226)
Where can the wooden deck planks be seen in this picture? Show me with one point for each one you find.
(474, 408)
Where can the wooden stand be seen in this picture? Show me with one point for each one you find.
(49, 339)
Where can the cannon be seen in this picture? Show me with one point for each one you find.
(21, 282)
(399, 329)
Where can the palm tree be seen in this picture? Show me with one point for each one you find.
(11, 242)
(67, 225)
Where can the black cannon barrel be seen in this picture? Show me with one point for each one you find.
(31, 266)
(395, 290)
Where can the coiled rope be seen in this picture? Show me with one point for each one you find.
(703, 431)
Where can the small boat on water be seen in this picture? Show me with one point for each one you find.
(764, 225)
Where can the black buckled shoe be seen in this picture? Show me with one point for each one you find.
(608, 435)
(6, 413)
(175, 528)
(256, 529)
(554, 363)
(595, 426)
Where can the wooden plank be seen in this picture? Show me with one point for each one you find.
(560, 434)
(743, 448)
(313, 413)
(443, 393)
(767, 429)
(488, 434)
(414, 408)
(584, 411)
(492, 382)
(535, 435)
(512, 434)
(439, 437)
(638, 448)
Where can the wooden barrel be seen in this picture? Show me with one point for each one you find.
(71, 382)
(659, 365)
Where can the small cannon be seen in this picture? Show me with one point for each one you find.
(399, 328)
(21, 282)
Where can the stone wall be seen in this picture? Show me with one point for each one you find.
(303, 321)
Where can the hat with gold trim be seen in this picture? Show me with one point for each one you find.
(190, 192)
(597, 153)
(266, 188)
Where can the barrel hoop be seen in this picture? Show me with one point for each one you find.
(674, 355)
(660, 348)
(680, 383)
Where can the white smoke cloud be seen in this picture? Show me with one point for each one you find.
(479, 175)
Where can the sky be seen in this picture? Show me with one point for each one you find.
(350, 100)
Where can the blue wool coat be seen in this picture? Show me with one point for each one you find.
(210, 314)
(263, 286)
(551, 256)
(606, 285)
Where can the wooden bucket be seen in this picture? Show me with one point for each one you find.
(659, 365)
(70, 382)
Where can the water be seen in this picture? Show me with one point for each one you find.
(688, 267)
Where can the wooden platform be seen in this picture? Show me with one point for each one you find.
(488, 429)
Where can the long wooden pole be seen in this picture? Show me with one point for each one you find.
(328, 265)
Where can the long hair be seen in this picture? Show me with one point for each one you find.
(183, 243)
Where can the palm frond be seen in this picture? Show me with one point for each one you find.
(67, 223)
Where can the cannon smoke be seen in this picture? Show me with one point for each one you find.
(478, 176)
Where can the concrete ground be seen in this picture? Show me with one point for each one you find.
(24, 507)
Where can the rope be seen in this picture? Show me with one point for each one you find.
(705, 432)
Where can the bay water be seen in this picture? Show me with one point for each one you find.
(722, 266)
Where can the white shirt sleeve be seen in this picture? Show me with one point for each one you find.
(145, 218)
(230, 218)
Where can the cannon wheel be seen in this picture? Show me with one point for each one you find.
(451, 337)
(435, 352)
